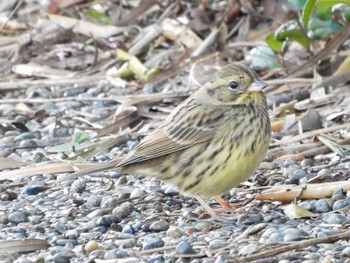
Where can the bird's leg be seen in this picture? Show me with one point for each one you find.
(207, 207)
(225, 206)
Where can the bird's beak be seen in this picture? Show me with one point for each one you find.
(258, 85)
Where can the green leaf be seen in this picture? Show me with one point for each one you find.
(273, 43)
(347, 13)
(322, 29)
(325, 4)
(308, 7)
(264, 57)
(98, 16)
(298, 3)
(80, 137)
(292, 34)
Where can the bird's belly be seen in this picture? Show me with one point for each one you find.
(227, 169)
(204, 169)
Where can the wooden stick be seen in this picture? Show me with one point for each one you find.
(297, 245)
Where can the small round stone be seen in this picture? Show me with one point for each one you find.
(203, 225)
(63, 257)
(287, 163)
(338, 195)
(185, 248)
(26, 136)
(160, 225)
(333, 218)
(299, 174)
(112, 254)
(156, 259)
(72, 234)
(222, 258)
(276, 236)
(94, 201)
(174, 232)
(253, 219)
(109, 202)
(122, 211)
(129, 243)
(155, 243)
(91, 246)
(306, 163)
(340, 204)
(18, 217)
(288, 171)
(60, 227)
(137, 193)
(322, 206)
(346, 252)
(324, 173)
(78, 186)
(65, 242)
(128, 229)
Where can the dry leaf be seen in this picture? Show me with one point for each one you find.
(293, 211)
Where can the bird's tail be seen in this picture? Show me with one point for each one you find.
(99, 167)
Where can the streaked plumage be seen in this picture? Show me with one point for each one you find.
(211, 142)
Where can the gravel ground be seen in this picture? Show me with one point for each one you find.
(124, 218)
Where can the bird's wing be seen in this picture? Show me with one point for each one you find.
(177, 134)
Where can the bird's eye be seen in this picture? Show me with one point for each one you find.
(233, 84)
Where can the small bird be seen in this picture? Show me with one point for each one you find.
(210, 143)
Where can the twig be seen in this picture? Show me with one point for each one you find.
(298, 245)
(12, 85)
(19, 3)
(311, 134)
(132, 99)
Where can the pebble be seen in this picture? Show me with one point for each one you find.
(18, 217)
(203, 225)
(185, 248)
(63, 257)
(72, 234)
(339, 204)
(60, 227)
(346, 252)
(96, 213)
(122, 211)
(174, 232)
(155, 243)
(78, 186)
(253, 219)
(290, 169)
(156, 259)
(160, 225)
(128, 229)
(94, 201)
(128, 243)
(324, 173)
(287, 163)
(115, 254)
(26, 136)
(306, 163)
(65, 242)
(109, 202)
(338, 195)
(222, 258)
(333, 218)
(137, 193)
(91, 246)
(248, 249)
(299, 174)
(323, 206)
